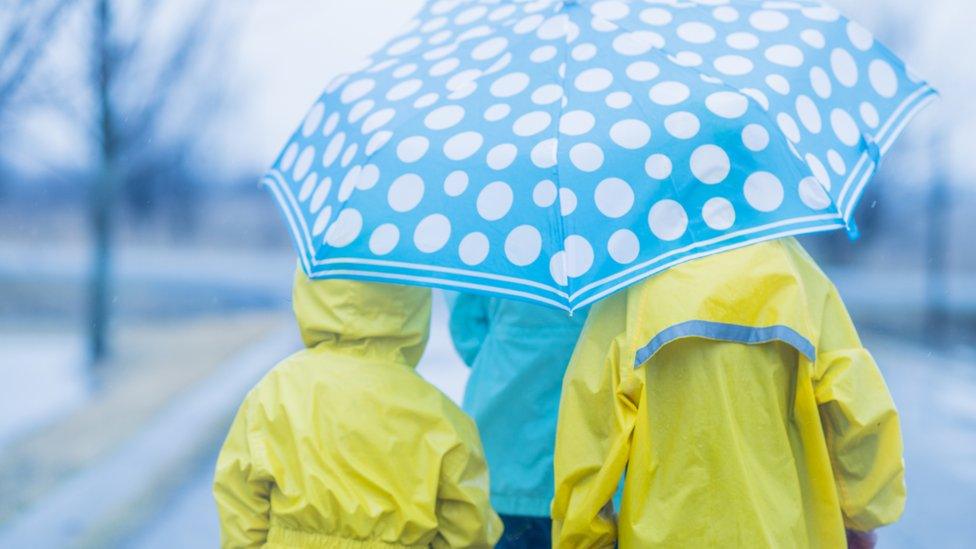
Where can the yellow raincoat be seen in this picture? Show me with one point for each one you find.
(344, 445)
(735, 393)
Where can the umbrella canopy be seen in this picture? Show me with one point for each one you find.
(557, 151)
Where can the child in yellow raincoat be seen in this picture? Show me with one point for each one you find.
(344, 445)
(735, 393)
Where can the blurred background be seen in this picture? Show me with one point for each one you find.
(145, 278)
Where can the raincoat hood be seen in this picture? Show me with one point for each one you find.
(373, 321)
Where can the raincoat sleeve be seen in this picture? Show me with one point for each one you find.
(469, 325)
(861, 424)
(241, 490)
(464, 514)
(601, 393)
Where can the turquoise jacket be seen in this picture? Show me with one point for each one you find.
(518, 354)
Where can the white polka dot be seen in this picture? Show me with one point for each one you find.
(669, 93)
(345, 229)
(473, 249)
(304, 163)
(820, 82)
(554, 27)
(757, 96)
(308, 186)
(769, 20)
(321, 193)
(584, 52)
(696, 32)
(377, 120)
(412, 149)
(543, 54)
(682, 125)
(733, 65)
(869, 114)
(494, 201)
(656, 16)
(378, 140)
(496, 112)
(426, 100)
(593, 80)
(807, 111)
(614, 197)
(440, 37)
(687, 59)
(619, 100)
(455, 183)
(322, 221)
(349, 154)
(785, 54)
(710, 164)
(623, 246)
(813, 38)
(432, 233)
(667, 220)
(630, 134)
(557, 268)
(845, 127)
(567, 201)
(550, 93)
(788, 126)
(576, 122)
(489, 48)
(501, 156)
(727, 104)
(818, 170)
(502, 12)
(859, 36)
(579, 255)
(357, 89)
(844, 67)
(531, 123)
(463, 145)
(384, 239)
(544, 153)
(348, 184)
(821, 13)
(725, 14)
(658, 166)
(637, 42)
(778, 84)
(330, 124)
(544, 194)
(883, 78)
(441, 52)
(405, 70)
(755, 137)
(813, 194)
(763, 191)
(642, 71)
(333, 149)
(610, 9)
(368, 177)
(444, 117)
(587, 157)
(510, 84)
(742, 41)
(404, 46)
(405, 193)
(288, 157)
(444, 67)
(718, 213)
(836, 162)
(360, 110)
(523, 245)
(313, 119)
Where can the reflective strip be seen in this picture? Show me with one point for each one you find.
(738, 333)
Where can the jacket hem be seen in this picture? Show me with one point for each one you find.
(523, 506)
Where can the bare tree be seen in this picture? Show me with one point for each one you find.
(30, 25)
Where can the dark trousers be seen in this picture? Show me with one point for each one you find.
(525, 532)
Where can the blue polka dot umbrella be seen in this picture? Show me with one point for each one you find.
(558, 151)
